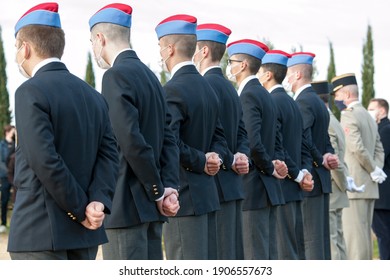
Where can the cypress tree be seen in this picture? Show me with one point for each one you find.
(89, 74)
(331, 74)
(5, 114)
(368, 70)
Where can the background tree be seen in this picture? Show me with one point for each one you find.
(268, 42)
(5, 114)
(164, 76)
(368, 70)
(331, 74)
(89, 74)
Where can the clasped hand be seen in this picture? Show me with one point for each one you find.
(94, 213)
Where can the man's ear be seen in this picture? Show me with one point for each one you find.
(102, 38)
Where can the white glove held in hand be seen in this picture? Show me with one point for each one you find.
(351, 186)
(378, 175)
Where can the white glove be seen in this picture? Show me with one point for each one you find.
(351, 186)
(360, 189)
(381, 179)
(378, 175)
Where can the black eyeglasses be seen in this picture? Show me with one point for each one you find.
(229, 61)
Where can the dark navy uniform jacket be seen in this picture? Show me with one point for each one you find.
(66, 157)
(229, 183)
(384, 189)
(261, 188)
(315, 124)
(148, 152)
(297, 156)
(193, 105)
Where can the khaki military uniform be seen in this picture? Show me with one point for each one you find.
(364, 151)
(338, 199)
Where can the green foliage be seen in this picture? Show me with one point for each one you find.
(331, 74)
(89, 74)
(164, 77)
(368, 70)
(5, 114)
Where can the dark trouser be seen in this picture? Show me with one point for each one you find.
(191, 237)
(74, 254)
(381, 228)
(5, 194)
(290, 231)
(141, 242)
(259, 233)
(315, 211)
(229, 231)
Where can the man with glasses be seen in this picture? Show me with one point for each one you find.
(261, 185)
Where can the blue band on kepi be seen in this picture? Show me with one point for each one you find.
(211, 35)
(277, 57)
(176, 27)
(300, 58)
(111, 15)
(213, 32)
(247, 48)
(39, 17)
(180, 24)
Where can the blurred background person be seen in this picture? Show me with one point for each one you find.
(7, 144)
(379, 110)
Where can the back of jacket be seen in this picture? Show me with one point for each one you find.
(66, 157)
(315, 124)
(229, 183)
(148, 151)
(291, 129)
(384, 189)
(364, 149)
(261, 188)
(195, 122)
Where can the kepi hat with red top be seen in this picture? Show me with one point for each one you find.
(249, 47)
(116, 13)
(41, 14)
(177, 24)
(277, 57)
(213, 32)
(300, 58)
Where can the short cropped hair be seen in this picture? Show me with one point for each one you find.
(381, 103)
(217, 50)
(114, 32)
(279, 71)
(253, 62)
(185, 44)
(47, 41)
